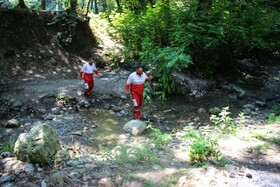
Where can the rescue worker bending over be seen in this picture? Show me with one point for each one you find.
(86, 73)
(135, 83)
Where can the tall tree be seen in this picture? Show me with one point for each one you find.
(21, 4)
(95, 7)
(43, 4)
(119, 9)
(88, 5)
(73, 5)
(204, 4)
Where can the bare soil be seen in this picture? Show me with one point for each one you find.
(36, 68)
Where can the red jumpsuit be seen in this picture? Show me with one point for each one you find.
(135, 83)
(86, 73)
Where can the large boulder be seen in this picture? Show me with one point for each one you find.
(135, 127)
(38, 146)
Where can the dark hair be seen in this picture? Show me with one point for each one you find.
(139, 66)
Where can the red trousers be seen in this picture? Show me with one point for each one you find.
(89, 83)
(137, 103)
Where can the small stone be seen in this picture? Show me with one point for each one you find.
(29, 168)
(231, 175)
(249, 175)
(56, 111)
(12, 123)
(156, 167)
(93, 126)
(7, 154)
(201, 110)
(215, 110)
(4, 179)
(78, 133)
(250, 106)
(43, 183)
(230, 167)
(261, 103)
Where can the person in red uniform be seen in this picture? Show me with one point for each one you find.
(135, 84)
(86, 73)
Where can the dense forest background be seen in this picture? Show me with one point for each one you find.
(207, 36)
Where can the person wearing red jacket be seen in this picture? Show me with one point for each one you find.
(86, 73)
(135, 84)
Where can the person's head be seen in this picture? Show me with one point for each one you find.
(139, 69)
(90, 61)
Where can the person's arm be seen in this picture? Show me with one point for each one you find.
(127, 85)
(82, 72)
(95, 70)
(148, 78)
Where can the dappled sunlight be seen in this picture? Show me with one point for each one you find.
(158, 175)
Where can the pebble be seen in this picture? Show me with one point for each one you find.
(249, 175)
(231, 175)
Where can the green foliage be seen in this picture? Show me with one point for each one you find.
(202, 148)
(171, 181)
(160, 139)
(68, 21)
(175, 33)
(8, 146)
(165, 61)
(61, 96)
(274, 116)
(261, 147)
(126, 154)
(241, 120)
(148, 93)
(148, 183)
(224, 122)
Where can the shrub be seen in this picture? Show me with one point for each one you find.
(160, 139)
(202, 148)
(224, 122)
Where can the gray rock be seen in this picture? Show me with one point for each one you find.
(247, 111)
(12, 123)
(250, 106)
(43, 183)
(7, 154)
(201, 110)
(214, 110)
(116, 108)
(261, 103)
(56, 111)
(8, 178)
(74, 163)
(135, 127)
(249, 175)
(38, 146)
(29, 168)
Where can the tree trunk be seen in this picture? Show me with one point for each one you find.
(21, 4)
(104, 3)
(43, 4)
(151, 3)
(89, 2)
(119, 9)
(73, 6)
(95, 7)
(204, 4)
(56, 5)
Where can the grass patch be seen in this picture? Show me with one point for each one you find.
(8, 146)
(261, 147)
(125, 154)
(160, 139)
(274, 116)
